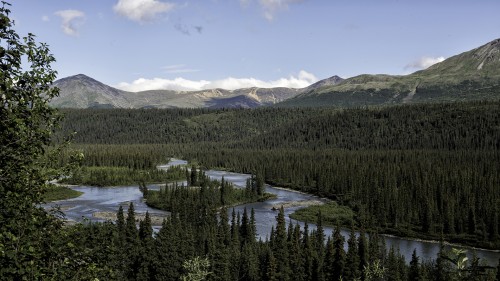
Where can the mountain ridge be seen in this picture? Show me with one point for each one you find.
(471, 75)
(81, 91)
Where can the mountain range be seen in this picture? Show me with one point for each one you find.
(81, 91)
(472, 75)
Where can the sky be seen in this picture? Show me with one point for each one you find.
(140, 45)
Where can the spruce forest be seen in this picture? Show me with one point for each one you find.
(424, 171)
(419, 170)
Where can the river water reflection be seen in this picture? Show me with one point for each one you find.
(97, 199)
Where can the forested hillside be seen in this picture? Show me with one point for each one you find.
(413, 170)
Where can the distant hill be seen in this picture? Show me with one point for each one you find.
(81, 91)
(472, 75)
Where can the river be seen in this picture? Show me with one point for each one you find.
(108, 199)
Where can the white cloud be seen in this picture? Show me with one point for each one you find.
(424, 62)
(177, 84)
(304, 79)
(271, 7)
(71, 21)
(45, 18)
(142, 10)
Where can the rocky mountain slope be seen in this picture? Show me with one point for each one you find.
(472, 75)
(81, 91)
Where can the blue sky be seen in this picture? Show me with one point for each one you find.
(189, 45)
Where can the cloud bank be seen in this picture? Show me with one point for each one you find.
(142, 11)
(71, 21)
(304, 79)
(424, 62)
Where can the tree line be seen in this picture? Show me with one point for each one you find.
(424, 170)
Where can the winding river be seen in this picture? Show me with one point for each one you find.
(95, 199)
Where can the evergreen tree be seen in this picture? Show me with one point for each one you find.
(296, 260)
(131, 233)
(131, 248)
(249, 263)
(320, 248)
(194, 176)
(120, 222)
(440, 265)
(393, 273)
(351, 269)
(362, 252)
(145, 228)
(307, 253)
(167, 250)
(280, 249)
(146, 248)
(253, 227)
(271, 268)
(414, 271)
(339, 260)
(329, 260)
(245, 228)
(235, 247)
(374, 248)
(498, 271)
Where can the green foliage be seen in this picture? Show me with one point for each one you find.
(196, 269)
(115, 176)
(29, 249)
(332, 213)
(59, 192)
(408, 159)
(211, 193)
